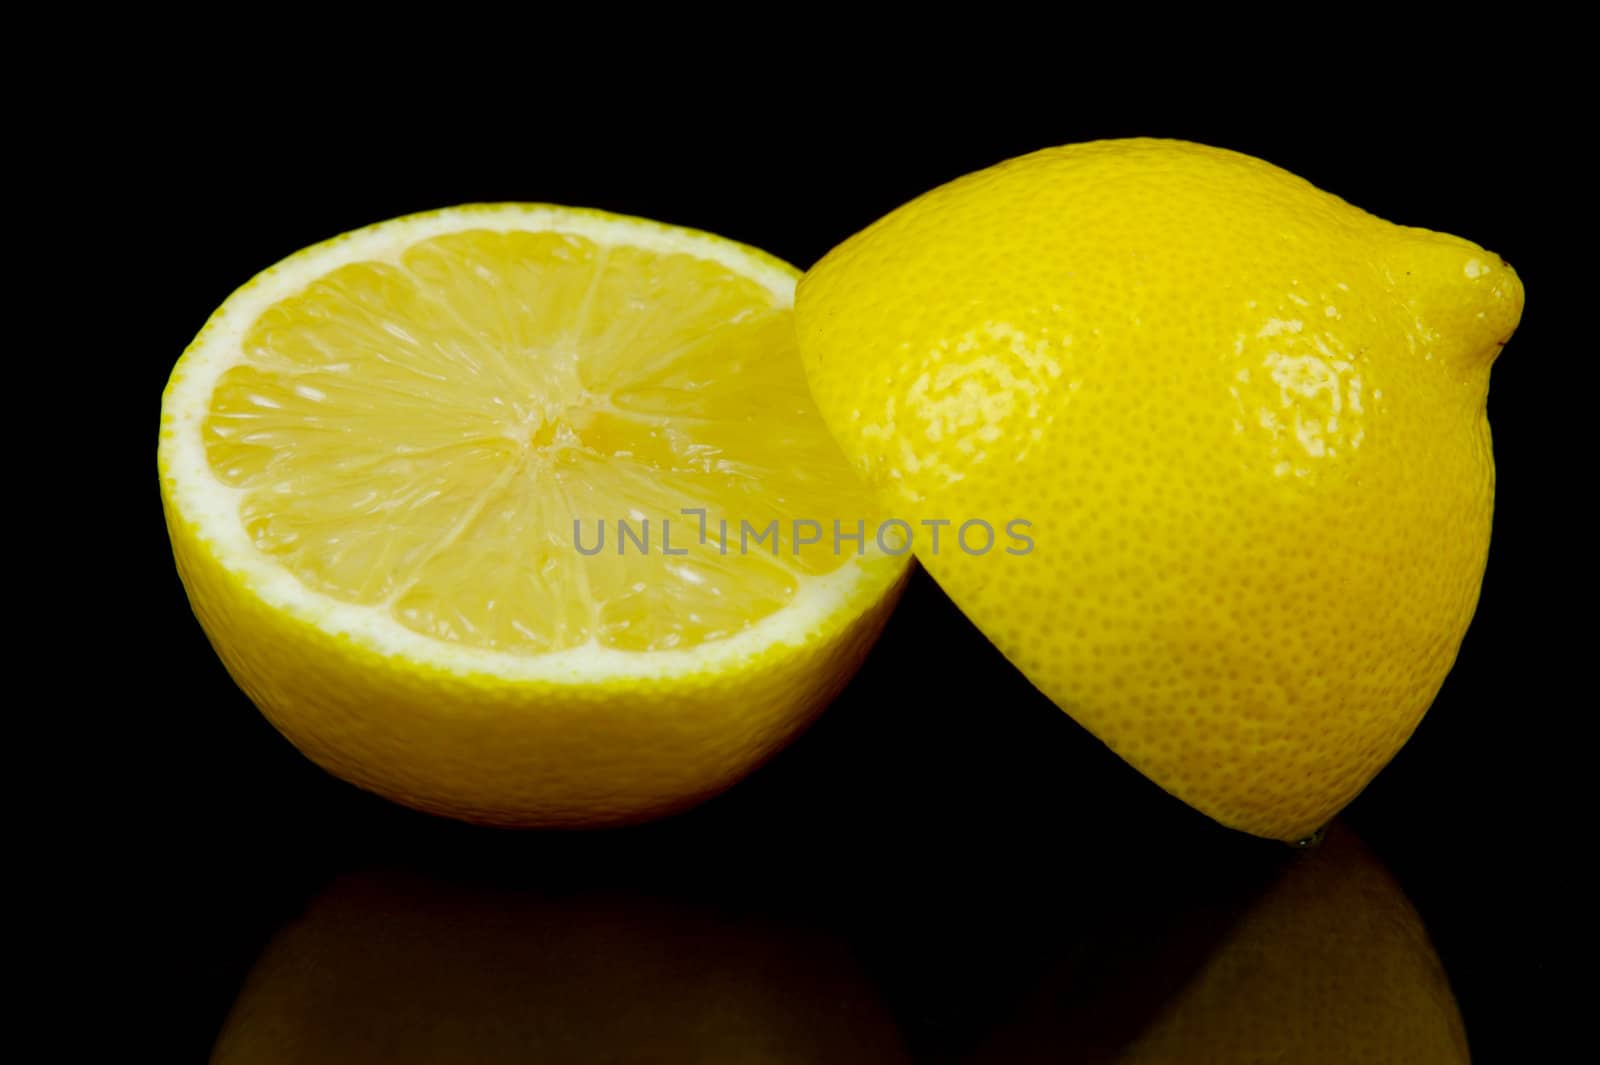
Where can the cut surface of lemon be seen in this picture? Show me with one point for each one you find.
(521, 513)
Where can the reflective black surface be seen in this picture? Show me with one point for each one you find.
(945, 868)
(1315, 957)
(982, 881)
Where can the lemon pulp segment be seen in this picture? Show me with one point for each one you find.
(447, 434)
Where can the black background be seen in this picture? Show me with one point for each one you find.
(941, 808)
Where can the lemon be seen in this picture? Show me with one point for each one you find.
(1329, 965)
(1217, 438)
(392, 967)
(461, 500)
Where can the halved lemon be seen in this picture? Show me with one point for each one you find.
(521, 514)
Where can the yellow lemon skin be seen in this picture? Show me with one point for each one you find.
(1243, 419)
(518, 752)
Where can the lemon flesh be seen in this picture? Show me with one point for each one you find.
(1243, 420)
(511, 480)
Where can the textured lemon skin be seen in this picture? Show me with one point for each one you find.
(1244, 419)
(517, 752)
(518, 747)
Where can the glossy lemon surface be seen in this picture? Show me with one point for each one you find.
(1241, 421)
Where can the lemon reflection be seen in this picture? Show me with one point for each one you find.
(1328, 964)
(397, 968)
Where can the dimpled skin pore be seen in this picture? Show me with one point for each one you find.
(1244, 419)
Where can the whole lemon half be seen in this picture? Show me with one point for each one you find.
(489, 510)
(1201, 448)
